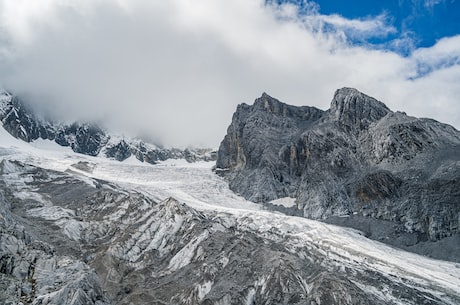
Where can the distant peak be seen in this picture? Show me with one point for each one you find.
(4, 94)
(265, 95)
(267, 102)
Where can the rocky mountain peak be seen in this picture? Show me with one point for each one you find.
(355, 111)
(274, 107)
(357, 159)
(270, 104)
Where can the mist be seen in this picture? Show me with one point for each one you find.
(176, 70)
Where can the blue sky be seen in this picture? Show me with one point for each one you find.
(178, 68)
(419, 23)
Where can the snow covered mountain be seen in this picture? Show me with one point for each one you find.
(89, 139)
(79, 229)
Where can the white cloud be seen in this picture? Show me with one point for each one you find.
(429, 4)
(444, 54)
(177, 69)
(376, 26)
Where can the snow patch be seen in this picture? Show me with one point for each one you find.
(51, 213)
(204, 289)
(49, 145)
(250, 296)
(63, 218)
(186, 254)
(287, 202)
(182, 163)
(224, 261)
(153, 235)
(72, 228)
(132, 160)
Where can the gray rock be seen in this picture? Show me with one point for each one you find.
(93, 242)
(357, 158)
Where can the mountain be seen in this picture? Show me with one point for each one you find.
(89, 139)
(357, 164)
(79, 230)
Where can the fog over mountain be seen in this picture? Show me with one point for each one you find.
(178, 69)
(125, 178)
(89, 218)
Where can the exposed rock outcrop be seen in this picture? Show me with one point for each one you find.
(357, 159)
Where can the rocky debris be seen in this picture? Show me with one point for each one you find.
(357, 158)
(20, 121)
(66, 240)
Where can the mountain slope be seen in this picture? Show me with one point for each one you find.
(70, 237)
(395, 177)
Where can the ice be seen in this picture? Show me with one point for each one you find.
(185, 255)
(51, 213)
(132, 160)
(204, 289)
(287, 202)
(63, 218)
(24, 132)
(153, 235)
(49, 145)
(198, 187)
(72, 228)
(250, 296)
(224, 261)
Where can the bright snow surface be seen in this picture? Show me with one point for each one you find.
(197, 186)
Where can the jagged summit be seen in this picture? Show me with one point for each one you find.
(355, 111)
(276, 107)
(270, 104)
(265, 99)
(351, 97)
(350, 109)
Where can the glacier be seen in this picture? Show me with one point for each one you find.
(78, 229)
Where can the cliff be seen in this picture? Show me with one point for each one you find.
(359, 164)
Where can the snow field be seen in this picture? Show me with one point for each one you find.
(197, 186)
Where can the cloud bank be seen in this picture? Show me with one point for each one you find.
(177, 69)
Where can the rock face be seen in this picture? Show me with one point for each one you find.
(70, 240)
(89, 139)
(358, 159)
